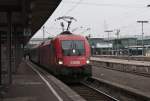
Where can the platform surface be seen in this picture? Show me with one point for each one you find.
(121, 61)
(135, 83)
(28, 86)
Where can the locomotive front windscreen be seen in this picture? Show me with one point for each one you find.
(73, 47)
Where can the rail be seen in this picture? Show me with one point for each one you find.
(114, 92)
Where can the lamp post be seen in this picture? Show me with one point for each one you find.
(108, 31)
(142, 34)
(117, 42)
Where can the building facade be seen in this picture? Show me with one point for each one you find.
(121, 46)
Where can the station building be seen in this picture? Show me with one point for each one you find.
(121, 46)
(146, 42)
(100, 46)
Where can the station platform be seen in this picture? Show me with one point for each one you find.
(127, 81)
(122, 61)
(126, 57)
(129, 66)
(28, 85)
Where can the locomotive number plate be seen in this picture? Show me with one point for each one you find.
(75, 62)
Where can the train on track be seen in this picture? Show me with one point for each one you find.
(66, 56)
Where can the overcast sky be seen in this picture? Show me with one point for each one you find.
(101, 15)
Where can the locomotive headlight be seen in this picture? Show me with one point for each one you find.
(87, 61)
(60, 62)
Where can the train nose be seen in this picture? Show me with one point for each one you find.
(75, 61)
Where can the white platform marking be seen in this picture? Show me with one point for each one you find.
(48, 84)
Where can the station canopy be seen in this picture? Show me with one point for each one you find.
(24, 16)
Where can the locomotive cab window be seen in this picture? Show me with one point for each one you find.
(73, 47)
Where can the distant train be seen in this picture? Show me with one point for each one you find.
(66, 56)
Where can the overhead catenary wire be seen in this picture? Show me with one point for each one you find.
(104, 4)
(44, 29)
(100, 4)
(73, 7)
(49, 33)
(133, 22)
(80, 2)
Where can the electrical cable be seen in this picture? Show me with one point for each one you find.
(103, 4)
(73, 7)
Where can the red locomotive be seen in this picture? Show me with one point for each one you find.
(66, 56)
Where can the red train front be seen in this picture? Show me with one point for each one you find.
(66, 56)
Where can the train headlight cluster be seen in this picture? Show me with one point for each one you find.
(60, 62)
(87, 61)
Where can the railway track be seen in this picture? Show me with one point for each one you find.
(94, 90)
(90, 94)
(111, 91)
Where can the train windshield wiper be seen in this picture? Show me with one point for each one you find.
(69, 50)
(78, 50)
